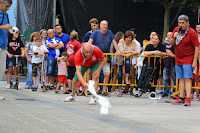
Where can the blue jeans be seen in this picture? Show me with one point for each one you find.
(119, 76)
(167, 72)
(127, 67)
(29, 79)
(52, 67)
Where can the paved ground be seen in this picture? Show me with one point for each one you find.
(47, 113)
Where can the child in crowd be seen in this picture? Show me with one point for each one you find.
(62, 72)
(38, 52)
(15, 47)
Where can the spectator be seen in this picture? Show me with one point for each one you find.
(43, 34)
(169, 70)
(94, 23)
(15, 47)
(198, 33)
(62, 72)
(103, 38)
(118, 36)
(62, 36)
(39, 52)
(29, 54)
(127, 47)
(134, 58)
(156, 48)
(150, 41)
(88, 56)
(54, 46)
(71, 48)
(171, 54)
(4, 26)
(187, 51)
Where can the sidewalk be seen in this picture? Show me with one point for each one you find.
(24, 111)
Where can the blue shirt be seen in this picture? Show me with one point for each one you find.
(167, 61)
(53, 53)
(65, 39)
(87, 36)
(98, 41)
(4, 32)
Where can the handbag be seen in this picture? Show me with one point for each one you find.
(108, 56)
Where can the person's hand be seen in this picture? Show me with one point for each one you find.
(40, 53)
(22, 55)
(127, 55)
(8, 26)
(157, 52)
(10, 56)
(29, 61)
(194, 64)
(176, 34)
(119, 53)
(135, 53)
(85, 85)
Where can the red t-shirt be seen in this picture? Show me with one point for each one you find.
(184, 51)
(71, 48)
(97, 55)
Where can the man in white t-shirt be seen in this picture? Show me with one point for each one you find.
(132, 73)
(38, 53)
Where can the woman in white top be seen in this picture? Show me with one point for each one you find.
(29, 53)
(127, 47)
(43, 34)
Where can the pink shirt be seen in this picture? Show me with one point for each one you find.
(62, 68)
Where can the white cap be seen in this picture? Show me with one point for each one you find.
(13, 30)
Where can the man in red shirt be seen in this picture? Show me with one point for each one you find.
(186, 44)
(87, 57)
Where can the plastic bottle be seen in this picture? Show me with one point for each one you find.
(195, 96)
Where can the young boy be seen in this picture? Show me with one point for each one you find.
(62, 72)
(38, 52)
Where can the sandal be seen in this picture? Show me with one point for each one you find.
(119, 94)
(127, 83)
(66, 92)
(57, 92)
(105, 94)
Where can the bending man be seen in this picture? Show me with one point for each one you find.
(87, 57)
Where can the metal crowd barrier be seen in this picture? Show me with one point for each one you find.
(159, 84)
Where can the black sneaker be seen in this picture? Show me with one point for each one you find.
(165, 95)
(51, 87)
(34, 89)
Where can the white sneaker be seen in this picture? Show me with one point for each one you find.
(92, 101)
(8, 86)
(2, 98)
(19, 87)
(69, 99)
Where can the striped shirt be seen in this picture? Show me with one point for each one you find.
(62, 68)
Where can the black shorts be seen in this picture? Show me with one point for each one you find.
(71, 72)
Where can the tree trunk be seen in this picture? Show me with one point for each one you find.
(166, 22)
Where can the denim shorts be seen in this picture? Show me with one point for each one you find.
(84, 69)
(183, 71)
(106, 68)
(12, 61)
(52, 67)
